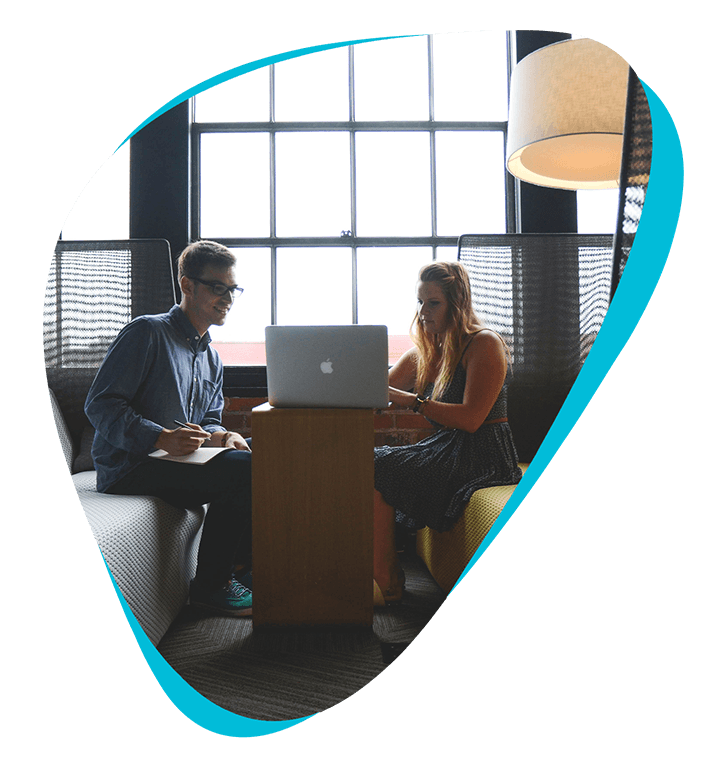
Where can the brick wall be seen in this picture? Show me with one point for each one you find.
(392, 427)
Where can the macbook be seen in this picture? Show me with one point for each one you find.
(327, 366)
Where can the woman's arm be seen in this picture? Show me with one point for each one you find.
(485, 367)
(402, 373)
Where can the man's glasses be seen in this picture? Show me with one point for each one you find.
(219, 288)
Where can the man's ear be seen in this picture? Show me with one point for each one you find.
(186, 286)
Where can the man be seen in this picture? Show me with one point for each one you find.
(160, 371)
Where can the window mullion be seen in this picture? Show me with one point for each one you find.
(348, 123)
(353, 182)
(433, 157)
(273, 203)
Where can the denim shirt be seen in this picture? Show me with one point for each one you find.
(157, 370)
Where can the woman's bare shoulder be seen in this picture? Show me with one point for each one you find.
(485, 342)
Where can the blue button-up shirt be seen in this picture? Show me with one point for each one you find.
(157, 370)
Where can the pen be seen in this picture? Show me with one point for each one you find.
(185, 425)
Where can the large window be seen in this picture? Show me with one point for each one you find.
(336, 175)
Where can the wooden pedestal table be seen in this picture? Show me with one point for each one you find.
(313, 474)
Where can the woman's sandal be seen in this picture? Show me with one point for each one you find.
(392, 595)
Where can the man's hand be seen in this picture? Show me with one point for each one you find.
(236, 441)
(182, 441)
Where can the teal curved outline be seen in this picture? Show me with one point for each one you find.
(649, 254)
(645, 264)
(249, 67)
(189, 701)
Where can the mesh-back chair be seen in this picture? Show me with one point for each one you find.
(94, 288)
(547, 294)
(634, 173)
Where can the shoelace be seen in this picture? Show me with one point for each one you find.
(236, 589)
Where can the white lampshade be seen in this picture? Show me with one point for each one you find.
(567, 113)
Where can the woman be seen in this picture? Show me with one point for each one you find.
(454, 377)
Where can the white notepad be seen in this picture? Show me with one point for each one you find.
(200, 456)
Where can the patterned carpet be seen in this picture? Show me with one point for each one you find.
(282, 675)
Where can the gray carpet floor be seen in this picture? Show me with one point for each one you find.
(288, 674)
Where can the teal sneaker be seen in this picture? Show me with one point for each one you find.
(233, 599)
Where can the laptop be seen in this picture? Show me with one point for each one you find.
(327, 366)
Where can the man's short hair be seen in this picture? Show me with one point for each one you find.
(197, 255)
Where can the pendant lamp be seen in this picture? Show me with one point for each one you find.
(567, 114)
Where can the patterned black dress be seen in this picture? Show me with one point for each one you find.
(429, 483)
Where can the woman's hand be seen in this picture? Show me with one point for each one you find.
(402, 399)
(485, 368)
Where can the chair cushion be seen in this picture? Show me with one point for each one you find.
(447, 554)
(149, 546)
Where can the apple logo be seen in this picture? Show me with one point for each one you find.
(326, 367)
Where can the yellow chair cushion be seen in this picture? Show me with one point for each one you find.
(447, 554)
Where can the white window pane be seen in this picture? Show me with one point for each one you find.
(313, 184)
(470, 182)
(393, 184)
(250, 313)
(387, 285)
(597, 210)
(102, 211)
(234, 185)
(241, 340)
(314, 286)
(448, 253)
(313, 87)
(245, 98)
(470, 76)
(391, 80)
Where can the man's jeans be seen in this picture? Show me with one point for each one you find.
(225, 483)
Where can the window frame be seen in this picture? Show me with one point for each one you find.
(352, 127)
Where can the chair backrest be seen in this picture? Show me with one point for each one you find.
(94, 288)
(547, 294)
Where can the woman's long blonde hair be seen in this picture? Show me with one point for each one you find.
(442, 355)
